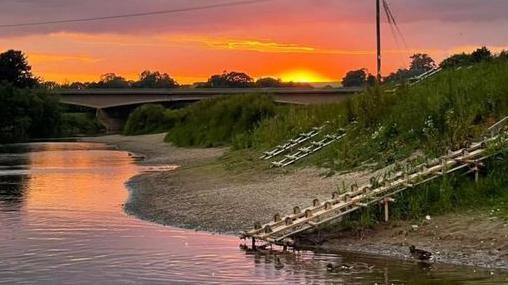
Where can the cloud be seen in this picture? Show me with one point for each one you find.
(267, 13)
(38, 58)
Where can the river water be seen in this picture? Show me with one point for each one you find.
(62, 222)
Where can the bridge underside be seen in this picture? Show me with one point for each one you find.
(114, 106)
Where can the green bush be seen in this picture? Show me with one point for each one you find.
(79, 124)
(149, 119)
(221, 121)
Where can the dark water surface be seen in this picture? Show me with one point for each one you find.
(62, 222)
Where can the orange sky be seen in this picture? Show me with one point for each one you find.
(298, 40)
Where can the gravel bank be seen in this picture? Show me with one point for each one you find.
(203, 195)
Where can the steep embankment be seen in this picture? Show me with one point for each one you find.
(421, 122)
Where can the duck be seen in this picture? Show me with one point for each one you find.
(420, 254)
(330, 267)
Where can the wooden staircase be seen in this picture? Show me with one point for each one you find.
(302, 146)
(292, 143)
(379, 190)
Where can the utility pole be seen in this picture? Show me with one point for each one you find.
(378, 30)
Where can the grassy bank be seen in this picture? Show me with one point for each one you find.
(423, 121)
(385, 125)
(438, 114)
(221, 121)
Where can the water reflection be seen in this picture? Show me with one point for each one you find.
(62, 222)
(12, 191)
(13, 179)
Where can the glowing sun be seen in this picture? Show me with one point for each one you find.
(303, 75)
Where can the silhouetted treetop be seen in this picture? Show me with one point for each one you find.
(420, 63)
(229, 80)
(148, 79)
(358, 78)
(111, 80)
(15, 69)
(268, 82)
(480, 55)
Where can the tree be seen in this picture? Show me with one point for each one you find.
(229, 80)
(503, 54)
(269, 82)
(456, 60)
(148, 79)
(15, 69)
(111, 80)
(401, 75)
(27, 113)
(357, 78)
(481, 54)
(421, 62)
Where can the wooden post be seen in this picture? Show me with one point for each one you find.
(386, 202)
(387, 213)
(476, 174)
(253, 244)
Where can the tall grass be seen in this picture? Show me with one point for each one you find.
(149, 119)
(221, 121)
(441, 113)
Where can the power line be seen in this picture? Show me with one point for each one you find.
(393, 21)
(150, 13)
(396, 32)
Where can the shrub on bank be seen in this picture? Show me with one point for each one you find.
(221, 121)
(149, 119)
(79, 124)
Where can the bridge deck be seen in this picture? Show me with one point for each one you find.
(110, 98)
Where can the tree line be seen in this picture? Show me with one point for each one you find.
(419, 64)
(149, 79)
(15, 69)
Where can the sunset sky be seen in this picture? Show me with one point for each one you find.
(301, 40)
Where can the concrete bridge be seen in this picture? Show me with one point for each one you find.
(114, 105)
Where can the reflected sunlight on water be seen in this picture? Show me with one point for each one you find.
(62, 222)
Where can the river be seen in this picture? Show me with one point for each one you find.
(62, 222)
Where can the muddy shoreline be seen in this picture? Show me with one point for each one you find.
(203, 195)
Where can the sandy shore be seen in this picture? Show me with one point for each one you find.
(156, 151)
(203, 194)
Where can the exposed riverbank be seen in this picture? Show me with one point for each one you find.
(205, 195)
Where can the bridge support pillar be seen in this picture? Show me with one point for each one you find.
(111, 124)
